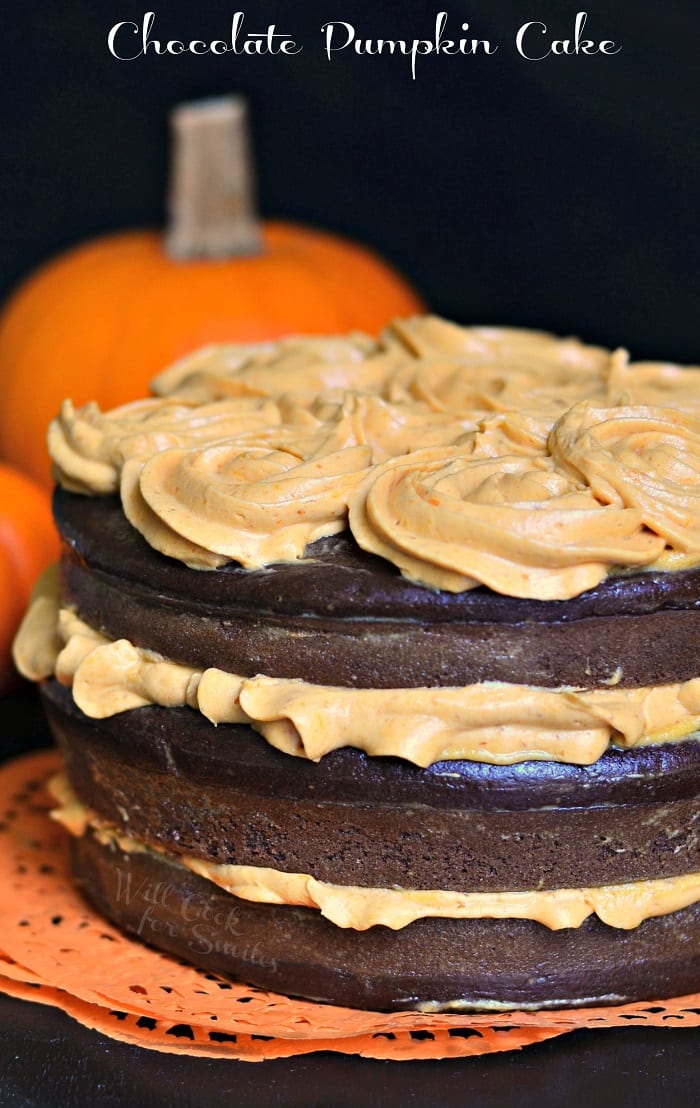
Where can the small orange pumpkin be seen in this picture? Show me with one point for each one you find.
(9, 618)
(28, 544)
(100, 321)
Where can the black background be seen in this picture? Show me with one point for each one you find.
(560, 193)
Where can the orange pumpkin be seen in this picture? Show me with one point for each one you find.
(103, 319)
(28, 544)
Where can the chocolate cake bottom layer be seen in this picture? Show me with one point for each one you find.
(432, 962)
(168, 777)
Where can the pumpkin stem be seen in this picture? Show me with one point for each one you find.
(211, 203)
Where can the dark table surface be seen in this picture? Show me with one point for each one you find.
(49, 1061)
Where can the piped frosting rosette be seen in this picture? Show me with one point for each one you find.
(83, 442)
(478, 370)
(89, 447)
(654, 383)
(431, 336)
(453, 521)
(312, 364)
(646, 458)
(504, 433)
(391, 430)
(475, 389)
(240, 502)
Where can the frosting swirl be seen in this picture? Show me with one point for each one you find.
(654, 383)
(645, 458)
(89, 447)
(511, 522)
(314, 365)
(255, 505)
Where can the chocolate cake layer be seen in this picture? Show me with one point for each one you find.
(480, 963)
(343, 617)
(223, 794)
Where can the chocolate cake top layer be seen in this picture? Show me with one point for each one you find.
(338, 579)
(343, 617)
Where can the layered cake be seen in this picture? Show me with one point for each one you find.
(374, 665)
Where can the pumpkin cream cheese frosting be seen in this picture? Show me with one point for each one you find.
(390, 636)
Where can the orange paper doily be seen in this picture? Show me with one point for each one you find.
(54, 949)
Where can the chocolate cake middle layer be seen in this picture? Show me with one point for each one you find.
(346, 618)
(223, 794)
